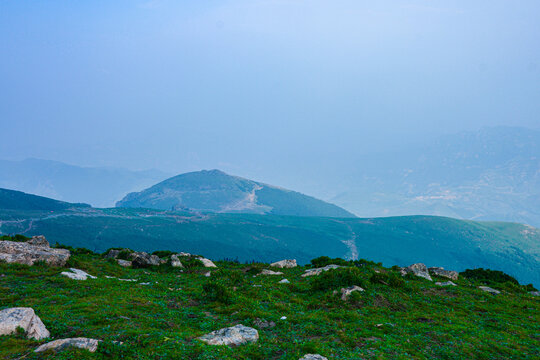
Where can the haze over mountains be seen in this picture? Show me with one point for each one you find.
(490, 174)
(98, 186)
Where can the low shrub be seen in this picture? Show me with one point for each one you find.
(337, 278)
(163, 253)
(216, 292)
(389, 279)
(488, 276)
(322, 261)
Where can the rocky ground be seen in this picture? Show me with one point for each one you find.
(74, 304)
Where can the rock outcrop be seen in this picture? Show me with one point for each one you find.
(439, 271)
(291, 263)
(36, 249)
(446, 283)
(77, 274)
(24, 318)
(141, 259)
(313, 357)
(62, 344)
(346, 292)
(317, 271)
(418, 269)
(235, 335)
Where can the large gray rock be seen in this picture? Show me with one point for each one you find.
(439, 271)
(207, 262)
(317, 271)
(38, 240)
(313, 357)
(62, 344)
(418, 269)
(124, 263)
(346, 292)
(235, 335)
(77, 274)
(27, 253)
(285, 264)
(141, 259)
(25, 318)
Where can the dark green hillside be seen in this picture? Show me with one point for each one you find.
(216, 191)
(17, 200)
(436, 241)
(161, 314)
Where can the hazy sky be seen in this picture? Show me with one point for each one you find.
(258, 87)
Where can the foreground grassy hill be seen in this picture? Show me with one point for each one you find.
(436, 241)
(161, 313)
(216, 191)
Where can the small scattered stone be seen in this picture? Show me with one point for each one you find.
(208, 274)
(290, 263)
(263, 324)
(284, 281)
(270, 272)
(489, 290)
(25, 318)
(62, 344)
(77, 274)
(317, 271)
(124, 263)
(346, 292)
(235, 335)
(535, 293)
(313, 357)
(283, 318)
(446, 283)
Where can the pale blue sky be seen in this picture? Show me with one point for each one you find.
(255, 87)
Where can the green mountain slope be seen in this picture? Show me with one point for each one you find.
(17, 200)
(216, 191)
(435, 241)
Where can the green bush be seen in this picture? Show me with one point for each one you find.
(389, 279)
(163, 253)
(216, 292)
(190, 262)
(124, 255)
(75, 251)
(337, 278)
(322, 261)
(488, 276)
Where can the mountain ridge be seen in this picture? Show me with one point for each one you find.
(217, 191)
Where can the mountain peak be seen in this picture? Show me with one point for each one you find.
(215, 191)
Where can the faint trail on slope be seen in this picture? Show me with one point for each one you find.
(350, 242)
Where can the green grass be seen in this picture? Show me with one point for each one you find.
(414, 319)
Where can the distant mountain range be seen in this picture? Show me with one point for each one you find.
(492, 174)
(98, 186)
(436, 241)
(216, 191)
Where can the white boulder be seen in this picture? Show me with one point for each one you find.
(25, 318)
(290, 263)
(61, 344)
(235, 335)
